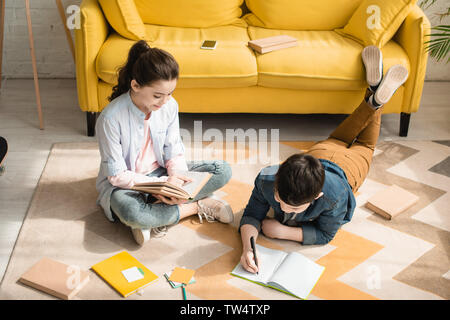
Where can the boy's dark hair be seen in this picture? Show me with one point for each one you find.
(145, 65)
(299, 179)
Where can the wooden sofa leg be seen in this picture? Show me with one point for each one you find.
(91, 118)
(404, 124)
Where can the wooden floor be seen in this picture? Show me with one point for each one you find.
(64, 122)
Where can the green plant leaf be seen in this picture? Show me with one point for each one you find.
(439, 43)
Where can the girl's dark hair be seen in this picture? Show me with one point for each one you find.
(145, 65)
(299, 179)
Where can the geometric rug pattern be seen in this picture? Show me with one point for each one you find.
(369, 258)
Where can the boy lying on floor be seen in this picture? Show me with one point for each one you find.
(312, 192)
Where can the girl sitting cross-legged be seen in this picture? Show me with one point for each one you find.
(139, 141)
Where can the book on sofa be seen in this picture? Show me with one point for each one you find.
(188, 191)
(391, 201)
(291, 273)
(269, 44)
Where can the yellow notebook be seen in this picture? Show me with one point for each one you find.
(124, 273)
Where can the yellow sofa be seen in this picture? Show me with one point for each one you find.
(323, 74)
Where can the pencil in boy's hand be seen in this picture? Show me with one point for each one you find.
(252, 243)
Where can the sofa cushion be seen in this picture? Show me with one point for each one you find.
(231, 64)
(323, 60)
(376, 21)
(191, 13)
(123, 16)
(300, 14)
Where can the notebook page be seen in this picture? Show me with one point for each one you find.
(297, 274)
(268, 262)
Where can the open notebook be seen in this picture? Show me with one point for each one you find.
(291, 273)
(187, 191)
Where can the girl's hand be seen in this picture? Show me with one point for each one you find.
(178, 180)
(169, 200)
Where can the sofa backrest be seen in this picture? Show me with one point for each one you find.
(191, 13)
(300, 14)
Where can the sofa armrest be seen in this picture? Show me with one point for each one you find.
(89, 38)
(412, 35)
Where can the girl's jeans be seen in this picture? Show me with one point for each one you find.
(136, 210)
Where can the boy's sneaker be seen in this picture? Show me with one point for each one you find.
(373, 62)
(394, 78)
(213, 209)
(141, 235)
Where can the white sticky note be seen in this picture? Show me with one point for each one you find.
(132, 274)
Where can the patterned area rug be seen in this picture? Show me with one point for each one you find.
(370, 257)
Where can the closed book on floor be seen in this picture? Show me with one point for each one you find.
(391, 201)
(55, 278)
(269, 44)
(115, 269)
(291, 273)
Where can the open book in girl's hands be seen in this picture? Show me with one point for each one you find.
(291, 273)
(188, 191)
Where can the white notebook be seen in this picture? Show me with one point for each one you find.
(291, 273)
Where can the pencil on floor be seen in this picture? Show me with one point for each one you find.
(184, 291)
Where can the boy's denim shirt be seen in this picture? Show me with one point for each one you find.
(320, 221)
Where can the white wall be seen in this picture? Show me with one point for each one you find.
(441, 70)
(54, 58)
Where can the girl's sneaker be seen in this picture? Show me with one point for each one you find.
(213, 209)
(141, 235)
